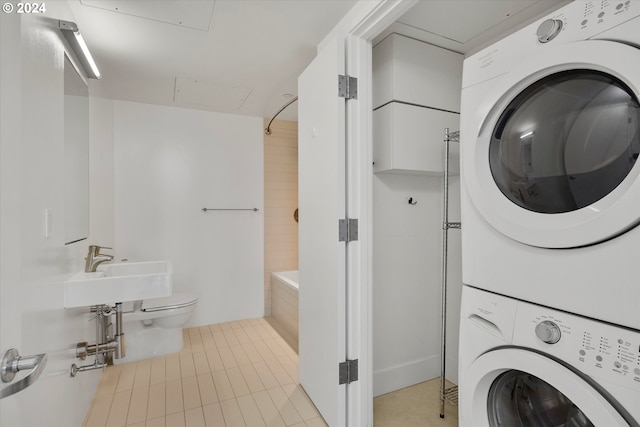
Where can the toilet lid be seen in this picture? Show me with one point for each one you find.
(177, 300)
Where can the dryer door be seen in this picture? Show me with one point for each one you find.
(518, 387)
(555, 161)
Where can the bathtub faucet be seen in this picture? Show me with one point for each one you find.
(95, 258)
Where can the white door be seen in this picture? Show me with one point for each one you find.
(322, 261)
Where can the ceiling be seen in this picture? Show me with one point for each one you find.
(467, 26)
(244, 56)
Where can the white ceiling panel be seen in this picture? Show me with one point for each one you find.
(467, 26)
(209, 94)
(241, 56)
(462, 20)
(192, 14)
(256, 45)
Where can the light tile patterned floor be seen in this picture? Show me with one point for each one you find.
(233, 374)
(415, 406)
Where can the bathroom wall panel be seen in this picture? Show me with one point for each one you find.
(169, 164)
(33, 267)
(101, 185)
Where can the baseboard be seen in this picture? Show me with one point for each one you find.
(408, 374)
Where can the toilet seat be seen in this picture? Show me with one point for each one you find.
(177, 300)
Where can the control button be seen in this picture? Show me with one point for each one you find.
(599, 358)
(548, 30)
(583, 23)
(601, 14)
(548, 332)
(582, 352)
(636, 371)
(625, 367)
(617, 364)
(620, 341)
(619, 6)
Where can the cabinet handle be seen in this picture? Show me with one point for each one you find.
(12, 363)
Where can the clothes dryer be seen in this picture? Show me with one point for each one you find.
(550, 139)
(523, 364)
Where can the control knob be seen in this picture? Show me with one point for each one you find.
(548, 332)
(548, 30)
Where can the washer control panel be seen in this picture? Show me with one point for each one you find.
(598, 349)
(548, 332)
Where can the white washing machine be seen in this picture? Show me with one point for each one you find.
(522, 364)
(550, 129)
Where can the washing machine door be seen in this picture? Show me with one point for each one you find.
(554, 164)
(516, 387)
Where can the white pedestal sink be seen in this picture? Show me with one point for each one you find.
(119, 282)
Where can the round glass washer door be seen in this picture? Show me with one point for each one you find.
(518, 398)
(554, 163)
(517, 387)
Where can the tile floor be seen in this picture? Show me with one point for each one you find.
(415, 406)
(233, 374)
(237, 374)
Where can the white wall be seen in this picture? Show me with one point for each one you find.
(407, 254)
(32, 267)
(407, 247)
(101, 167)
(169, 164)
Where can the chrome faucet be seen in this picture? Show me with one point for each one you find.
(95, 258)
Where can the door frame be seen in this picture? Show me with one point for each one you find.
(365, 21)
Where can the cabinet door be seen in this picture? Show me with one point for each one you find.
(409, 139)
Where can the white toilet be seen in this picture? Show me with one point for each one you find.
(153, 327)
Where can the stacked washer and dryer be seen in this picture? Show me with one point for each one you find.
(550, 131)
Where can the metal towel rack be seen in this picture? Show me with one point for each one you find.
(450, 394)
(232, 209)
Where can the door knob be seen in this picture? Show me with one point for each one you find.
(12, 363)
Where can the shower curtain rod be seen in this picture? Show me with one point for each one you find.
(267, 130)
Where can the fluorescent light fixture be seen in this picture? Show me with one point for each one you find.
(79, 47)
(525, 135)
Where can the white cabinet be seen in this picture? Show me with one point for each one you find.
(416, 95)
(409, 140)
(415, 72)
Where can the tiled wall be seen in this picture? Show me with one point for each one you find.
(284, 309)
(280, 202)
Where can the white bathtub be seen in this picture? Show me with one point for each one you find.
(284, 301)
(288, 278)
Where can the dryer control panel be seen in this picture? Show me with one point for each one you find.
(586, 19)
(598, 13)
(598, 349)
(577, 21)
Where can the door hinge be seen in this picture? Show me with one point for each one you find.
(347, 230)
(347, 87)
(348, 372)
